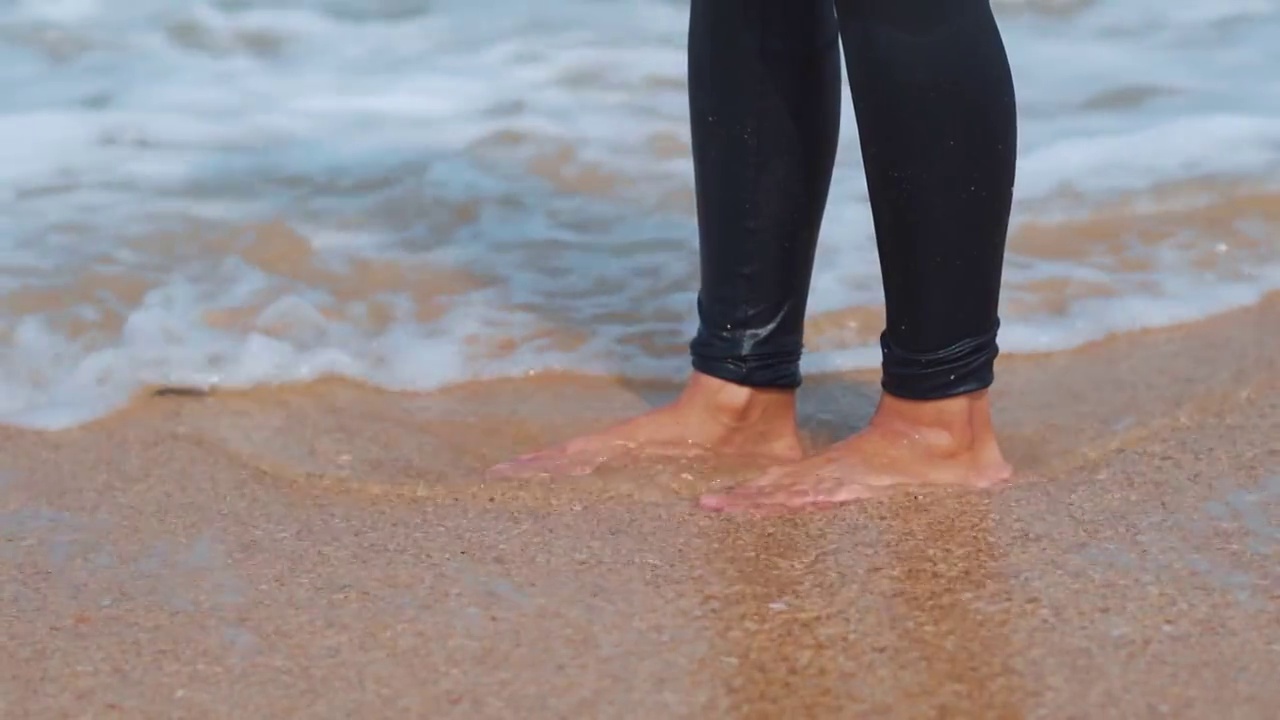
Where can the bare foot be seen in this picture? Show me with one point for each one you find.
(711, 415)
(908, 443)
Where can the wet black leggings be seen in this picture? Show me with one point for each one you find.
(934, 102)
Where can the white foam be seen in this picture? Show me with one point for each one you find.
(1184, 147)
(357, 123)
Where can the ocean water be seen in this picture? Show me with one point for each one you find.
(226, 193)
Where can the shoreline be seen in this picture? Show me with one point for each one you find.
(1014, 361)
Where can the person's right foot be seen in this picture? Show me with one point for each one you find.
(711, 415)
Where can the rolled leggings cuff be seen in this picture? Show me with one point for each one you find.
(728, 360)
(966, 367)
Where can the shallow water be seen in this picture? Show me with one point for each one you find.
(418, 193)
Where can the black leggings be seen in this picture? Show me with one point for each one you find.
(934, 102)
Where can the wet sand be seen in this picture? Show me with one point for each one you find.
(328, 551)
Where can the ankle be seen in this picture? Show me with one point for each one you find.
(736, 405)
(954, 425)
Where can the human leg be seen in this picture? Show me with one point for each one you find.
(764, 104)
(934, 100)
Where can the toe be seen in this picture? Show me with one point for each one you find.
(526, 466)
(548, 463)
(756, 495)
(734, 499)
(784, 492)
(715, 502)
(509, 471)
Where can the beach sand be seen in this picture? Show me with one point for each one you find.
(329, 551)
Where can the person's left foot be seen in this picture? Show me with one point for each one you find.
(908, 443)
